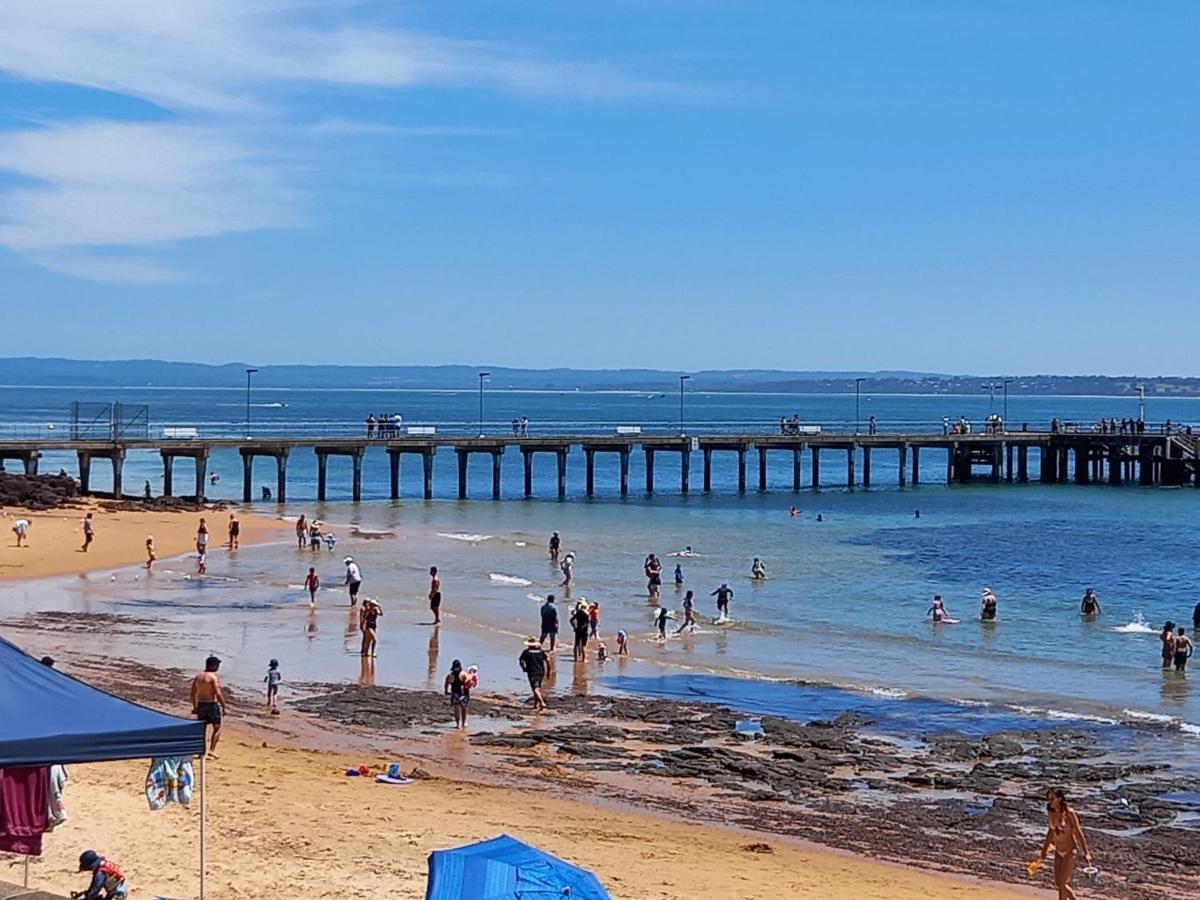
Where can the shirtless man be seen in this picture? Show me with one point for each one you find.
(435, 595)
(1183, 650)
(301, 531)
(208, 702)
(1090, 604)
(1065, 835)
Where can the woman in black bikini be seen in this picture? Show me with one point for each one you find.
(460, 693)
(1065, 835)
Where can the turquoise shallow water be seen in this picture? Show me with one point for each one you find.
(844, 605)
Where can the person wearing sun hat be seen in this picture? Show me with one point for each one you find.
(353, 579)
(533, 663)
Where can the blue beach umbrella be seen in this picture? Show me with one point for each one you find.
(503, 868)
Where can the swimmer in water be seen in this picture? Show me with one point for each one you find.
(987, 606)
(757, 570)
(938, 610)
(820, 518)
(793, 511)
(1090, 604)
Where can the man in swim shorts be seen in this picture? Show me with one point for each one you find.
(208, 701)
(1183, 650)
(353, 579)
(533, 662)
(435, 595)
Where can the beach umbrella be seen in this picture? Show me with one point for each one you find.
(504, 868)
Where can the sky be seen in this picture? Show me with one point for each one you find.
(934, 185)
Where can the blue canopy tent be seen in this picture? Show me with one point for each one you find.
(504, 868)
(50, 717)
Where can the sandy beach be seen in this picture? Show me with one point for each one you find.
(56, 536)
(278, 815)
(279, 812)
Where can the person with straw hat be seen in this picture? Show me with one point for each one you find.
(533, 663)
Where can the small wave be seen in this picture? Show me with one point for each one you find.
(889, 693)
(535, 597)
(1189, 728)
(498, 578)
(1134, 628)
(520, 544)
(1140, 716)
(462, 536)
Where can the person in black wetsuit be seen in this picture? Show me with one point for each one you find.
(723, 594)
(1090, 604)
(580, 624)
(460, 693)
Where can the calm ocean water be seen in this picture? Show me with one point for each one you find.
(844, 605)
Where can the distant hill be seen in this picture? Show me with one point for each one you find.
(29, 371)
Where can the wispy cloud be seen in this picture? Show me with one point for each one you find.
(229, 76)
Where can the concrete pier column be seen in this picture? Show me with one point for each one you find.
(741, 470)
(201, 476)
(1047, 464)
(562, 473)
(762, 468)
(31, 463)
(496, 474)
(796, 473)
(394, 472)
(247, 476)
(118, 463)
(850, 469)
(462, 474)
(916, 466)
(85, 470)
(903, 463)
(589, 464)
(1114, 464)
(1023, 464)
(168, 465)
(1082, 476)
(624, 453)
(951, 455)
(1008, 463)
(356, 460)
(707, 469)
(1064, 463)
(649, 470)
(685, 465)
(816, 468)
(866, 479)
(527, 460)
(322, 471)
(427, 471)
(281, 459)
(996, 458)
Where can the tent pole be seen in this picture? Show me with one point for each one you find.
(26, 871)
(203, 812)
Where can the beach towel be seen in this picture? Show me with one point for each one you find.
(54, 801)
(169, 781)
(24, 815)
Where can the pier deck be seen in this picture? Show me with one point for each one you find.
(1114, 459)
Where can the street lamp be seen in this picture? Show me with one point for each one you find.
(682, 379)
(1141, 402)
(249, 372)
(857, 389)
(482, 376)
(1007, 382)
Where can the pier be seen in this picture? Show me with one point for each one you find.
(1002, 457)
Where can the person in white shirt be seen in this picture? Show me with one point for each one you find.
(353, 579)
(21, 530)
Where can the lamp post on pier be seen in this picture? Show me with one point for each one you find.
(857, 393)
(1007, 382)
(249, 372)
(682, 379)
(482, 377)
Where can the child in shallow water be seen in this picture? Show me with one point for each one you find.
(622, 644)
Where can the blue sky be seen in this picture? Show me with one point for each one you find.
(839, 184)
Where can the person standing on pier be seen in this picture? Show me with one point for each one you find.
(435, 595)
(370, 426)
(353, 579)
